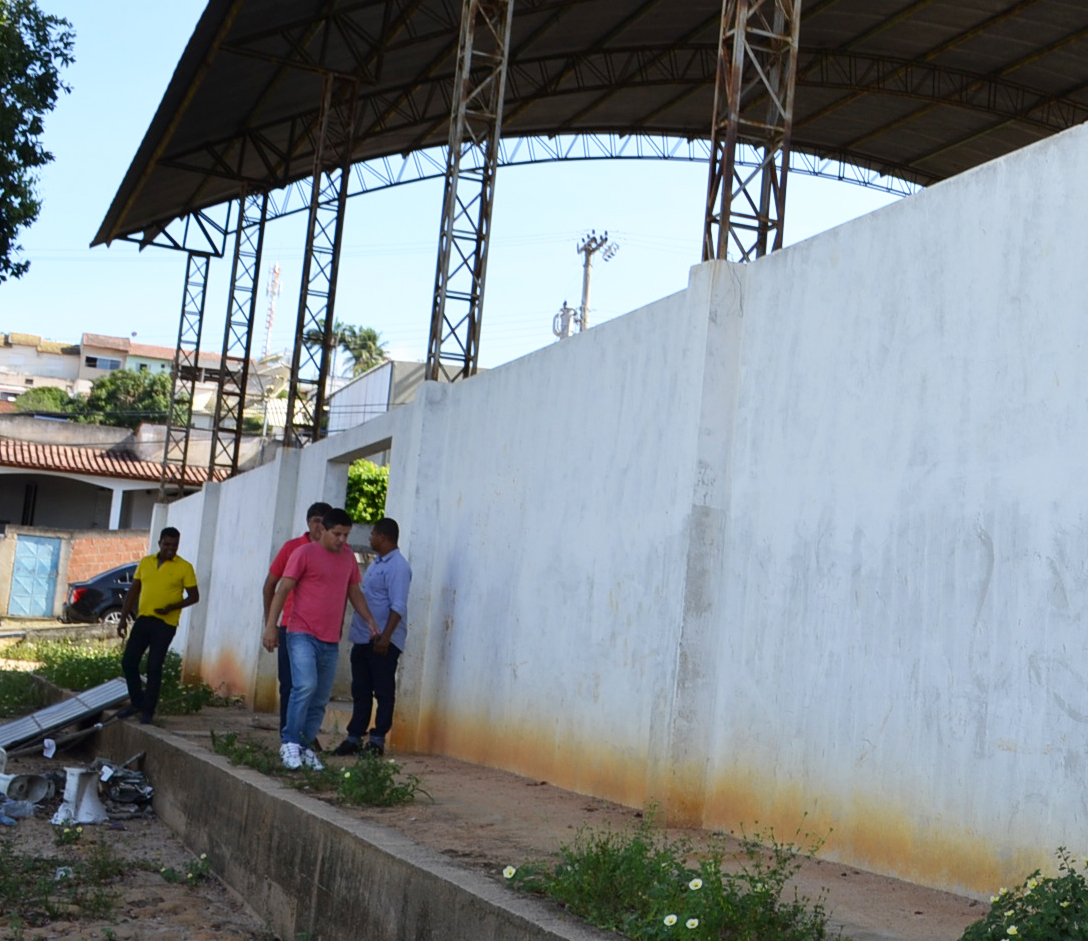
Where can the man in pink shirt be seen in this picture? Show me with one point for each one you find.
(314, 516)
(323, 575)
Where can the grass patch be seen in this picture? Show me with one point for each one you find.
(80, 665)
(647, 888)
(369, 782)
(19, 694)
(36, 890)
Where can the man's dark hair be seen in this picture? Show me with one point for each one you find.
(388, 528)
(169, 531)
(317, 509)
(337, 517)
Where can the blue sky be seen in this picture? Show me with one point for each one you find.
(126, 51)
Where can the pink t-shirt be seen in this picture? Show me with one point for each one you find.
(321, 590)
(279, 566)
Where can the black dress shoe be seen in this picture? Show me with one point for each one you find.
(374, 749)
(347, 747)
(127, 713)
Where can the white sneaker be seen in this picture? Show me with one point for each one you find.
(311, 761)
(290, 755)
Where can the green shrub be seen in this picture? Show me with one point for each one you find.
(367, 487)
(373, 782)
(1041, 908)
(645, 887)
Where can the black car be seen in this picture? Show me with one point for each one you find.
(99, 598)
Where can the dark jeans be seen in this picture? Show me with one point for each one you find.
(147, 633)
(373, 677)
(284, 670)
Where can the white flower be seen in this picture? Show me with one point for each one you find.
(670, 920)
(695, 884)
(508, 872)
(203, 855)
(347, 774)
(692, 923)
(1012, 930)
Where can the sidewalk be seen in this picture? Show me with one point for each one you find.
(484, 820)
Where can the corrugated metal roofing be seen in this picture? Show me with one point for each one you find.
(80, 707)
(919, 89)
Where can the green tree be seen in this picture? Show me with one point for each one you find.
(362, 344)
(367, 486)
(126, 398)
(46, 399)
(33, 49)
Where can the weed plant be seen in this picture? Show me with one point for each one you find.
(35, 890)
(1041, 908)
(79, 665)
(373, 781)
(647, 888)
(196, 871)
(19, 694)
(370, 781)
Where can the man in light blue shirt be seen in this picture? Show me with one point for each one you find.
(374, 655)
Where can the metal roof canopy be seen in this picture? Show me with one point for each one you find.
(916, 89)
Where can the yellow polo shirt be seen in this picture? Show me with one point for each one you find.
(161, 585)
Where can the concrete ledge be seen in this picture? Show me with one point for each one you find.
(311, 870)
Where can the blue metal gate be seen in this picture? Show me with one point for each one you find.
(34, 576)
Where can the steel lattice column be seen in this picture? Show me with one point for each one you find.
(184, 374)
(475, 126)
(328, 198)
(230, 400)
(753, 104)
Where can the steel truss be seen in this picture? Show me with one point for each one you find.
(175, 459)
(472, 159)
(753, 103)
(230, 399)
(328, 196)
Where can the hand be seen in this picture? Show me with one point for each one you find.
(270, 639)
(381, 646)
(122, 626)
(375, 633)
(165, 610)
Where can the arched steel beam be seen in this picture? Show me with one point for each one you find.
(387, 172)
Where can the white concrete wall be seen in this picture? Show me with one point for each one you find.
(805, 537)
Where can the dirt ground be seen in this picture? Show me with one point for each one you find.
(482, 818)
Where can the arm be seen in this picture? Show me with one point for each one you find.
(271, 636)
(397, 586)
(268, 591)
(132, 600)
(192, 596)
(358, 602)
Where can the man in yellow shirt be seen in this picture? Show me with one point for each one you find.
(164, 583)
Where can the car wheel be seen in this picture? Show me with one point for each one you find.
(112, 617)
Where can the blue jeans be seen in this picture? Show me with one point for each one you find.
(313, 670)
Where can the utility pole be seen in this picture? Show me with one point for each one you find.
(592, 244)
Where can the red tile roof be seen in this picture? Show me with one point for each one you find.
(75, 460)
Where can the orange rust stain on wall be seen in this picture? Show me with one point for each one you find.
(598, 769)
(225, 676)
(880, 836)
(859, 830)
